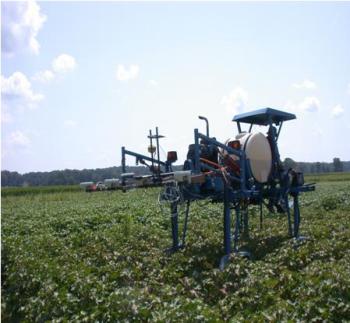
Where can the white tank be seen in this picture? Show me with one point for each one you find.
(258, 151)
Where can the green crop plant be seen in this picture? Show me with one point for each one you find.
(69, 256)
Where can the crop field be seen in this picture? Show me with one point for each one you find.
(69, 256)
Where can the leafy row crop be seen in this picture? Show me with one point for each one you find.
(328, 177)
(17, 191)
(73, 256)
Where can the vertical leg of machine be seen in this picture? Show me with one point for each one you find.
(227, 230)
(123, 159)
(185, 223)
(288, 215)
(196, 152)
(241, 227)
(227, 223)
(151, 145)
(158, 158)
(246, 223)
(123, 167)
(296, 216)
(174, 226)
(237, 229)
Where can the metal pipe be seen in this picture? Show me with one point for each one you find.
(207, 123)
(288, 215)
(237, 228)
(123, 159)
(246, 223)
(218, 171)
(174, 225)
(123, 167)
(251, 127)
(227, 222)
(279, 130)
(131, 153)
(157, 140)
(242, 164)
(185, 223)
(196, 152)
(239, 127)
(150, 139)
(219, 144)
(296, 216)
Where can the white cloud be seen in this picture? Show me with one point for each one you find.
(318, 131)
(124, 74)
(310, 104)
(20, 24)
(18, 88)
(44, 76)
(18, 138)
(5, 116)
(63, 63)
(337, 111)
(236, 100)
(306, 84)
(290, 106)
(69, 123)
(153, 83)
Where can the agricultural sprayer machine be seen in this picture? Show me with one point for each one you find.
(245, 170)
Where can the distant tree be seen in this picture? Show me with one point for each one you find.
(11, 178)
(318, 167)
(325, 168)
(74, 176)
(337, 165)
(312, 168)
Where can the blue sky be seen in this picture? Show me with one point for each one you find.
(81, 79)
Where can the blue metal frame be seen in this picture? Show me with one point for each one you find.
(236, 190)
(246, 191)
(141, 158)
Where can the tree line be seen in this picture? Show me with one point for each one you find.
(318, 167)
(74, 176)
(65, 177)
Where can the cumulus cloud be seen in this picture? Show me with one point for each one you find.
(290, 106)
(236, 100)
(153, 83)
(5, 116)
(305, 84)
(310, 104)
(69, 123)
(126, 74)
(337, 111)
(18, 138)
(317, 131)
(44, 76)
(20, 24)
(63, 63)
(18, 89)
